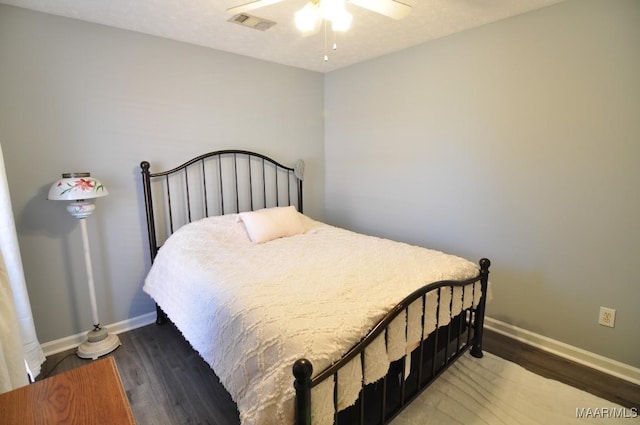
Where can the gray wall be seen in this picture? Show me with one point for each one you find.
(519, 141)
(77, 96)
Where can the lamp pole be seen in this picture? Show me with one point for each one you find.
(99, 342)
(87, 260)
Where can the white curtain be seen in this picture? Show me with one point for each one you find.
(20, 352)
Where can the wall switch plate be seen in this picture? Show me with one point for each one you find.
(607, 317)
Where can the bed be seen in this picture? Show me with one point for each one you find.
(303, 322)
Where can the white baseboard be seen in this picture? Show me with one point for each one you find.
(578, 355)
(69, 342)
(569, 352)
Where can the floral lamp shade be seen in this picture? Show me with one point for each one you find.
(80, 188)
(75, 187)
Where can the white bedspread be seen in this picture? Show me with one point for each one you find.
(252, 310)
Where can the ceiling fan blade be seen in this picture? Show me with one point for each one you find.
(391, 8)
(251, 6)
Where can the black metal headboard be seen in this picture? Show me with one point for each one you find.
(216, 183)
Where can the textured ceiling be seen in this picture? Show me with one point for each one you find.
(205, 23)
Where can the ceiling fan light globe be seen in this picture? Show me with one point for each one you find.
(308, 18)
(330, 8)
(341, 21)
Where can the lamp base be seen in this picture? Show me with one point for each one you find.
(94, 347)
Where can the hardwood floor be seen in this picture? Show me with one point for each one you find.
(168, 383)
(544, 364)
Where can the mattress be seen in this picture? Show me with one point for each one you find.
(251, 310)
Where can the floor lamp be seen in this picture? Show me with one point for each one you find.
(81, 189)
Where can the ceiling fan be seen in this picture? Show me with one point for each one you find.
(391, 8)
(309, 19)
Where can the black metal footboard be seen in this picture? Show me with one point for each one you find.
(380, 402)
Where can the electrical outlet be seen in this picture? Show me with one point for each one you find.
(607, 317)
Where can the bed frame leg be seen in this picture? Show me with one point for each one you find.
(302, 370)
(161, 316)
(476, 350)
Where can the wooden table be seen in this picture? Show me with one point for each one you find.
(86, 395)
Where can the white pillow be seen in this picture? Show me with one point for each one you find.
(271, 223)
